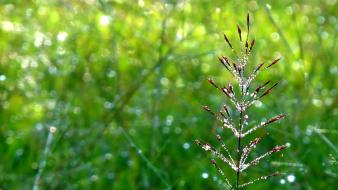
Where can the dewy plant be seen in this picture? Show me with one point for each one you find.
(237, 123)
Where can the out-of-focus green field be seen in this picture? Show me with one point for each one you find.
(124, 81)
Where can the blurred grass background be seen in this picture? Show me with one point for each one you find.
(124, 81)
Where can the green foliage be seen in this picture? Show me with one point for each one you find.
(124, 81)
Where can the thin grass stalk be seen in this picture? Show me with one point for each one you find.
(246, 97)
(43, 161)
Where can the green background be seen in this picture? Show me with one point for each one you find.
(124, 82)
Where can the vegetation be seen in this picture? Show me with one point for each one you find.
(242, 97)
(108, 94)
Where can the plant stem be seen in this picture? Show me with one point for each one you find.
(239, 152)
(239, 149)
(43, 161)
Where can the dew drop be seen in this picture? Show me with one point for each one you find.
(19, 152)
(164, 81)
(258, 104)
(140, 3)
(291, 178)
(108, 156)
(275, 36)
(288, 144)
(178, 130)
(62, 36)
(317, 102)
(111, 74)
(206, 147)
(205, 175)
(169, 120)
(186, 145)
(104, 20)
(2, 77)
(94, 178)
(52, 129)
(282, 181)
(309, 131)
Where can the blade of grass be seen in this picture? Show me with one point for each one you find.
(279, 30)
(326, 140)
(145, 159)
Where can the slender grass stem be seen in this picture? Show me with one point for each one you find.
(242, 101)
(239, 152)
(43, 162)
